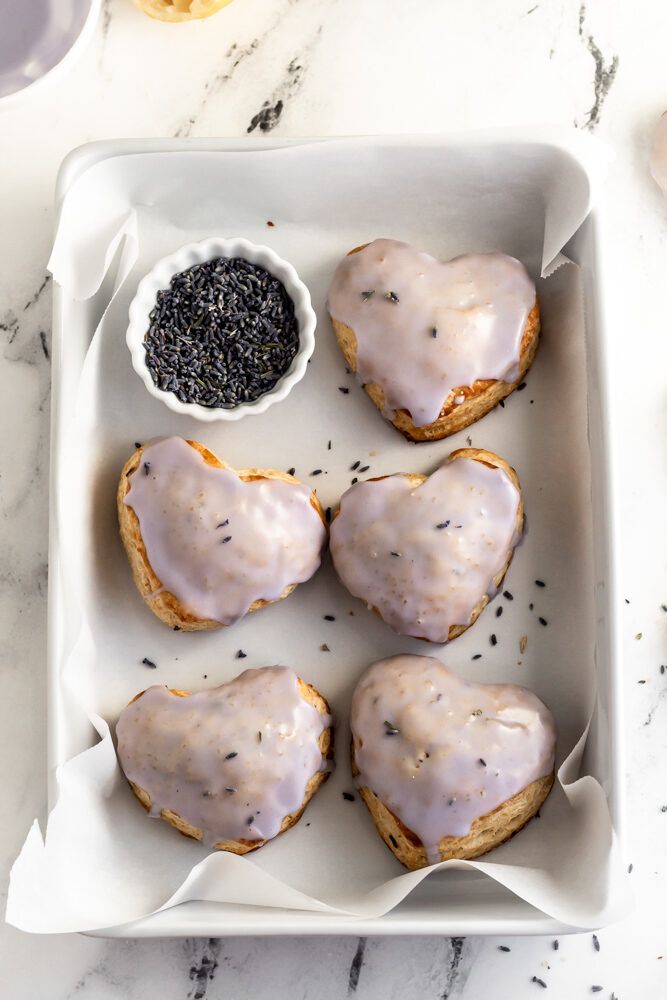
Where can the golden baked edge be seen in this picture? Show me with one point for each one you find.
(480, 397)
(494, 461)
(486, 832)
(166, 605)
(319, 702)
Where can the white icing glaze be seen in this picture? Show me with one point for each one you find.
(216, 542)
(477, 303)
(658, 159)
(187, 753)
(461, 750)
(425, 555)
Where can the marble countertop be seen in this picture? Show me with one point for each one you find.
(326, 67)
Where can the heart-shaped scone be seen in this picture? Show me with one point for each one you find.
(207, 544)
(233, 766)
(448, 768)
(436, 345)
(427, 553)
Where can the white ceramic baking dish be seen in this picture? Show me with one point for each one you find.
(474, 904)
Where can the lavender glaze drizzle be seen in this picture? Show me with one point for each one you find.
(217, 542)
(459, 749)
(425, 555)
(424, 328)
(202, 756)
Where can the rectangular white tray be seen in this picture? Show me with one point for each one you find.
(474, 904)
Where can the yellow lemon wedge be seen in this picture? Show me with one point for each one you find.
(180, 10)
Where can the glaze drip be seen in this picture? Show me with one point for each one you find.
(217, 542)
(461, 749)
(424, 328)
(425, 555)
(203, 757)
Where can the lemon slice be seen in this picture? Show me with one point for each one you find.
(180, 10)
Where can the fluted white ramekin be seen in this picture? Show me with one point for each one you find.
(197, 253)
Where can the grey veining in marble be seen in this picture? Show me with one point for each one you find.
(605, 74)
(323, 67)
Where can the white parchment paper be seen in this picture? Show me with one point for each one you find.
(103, 862)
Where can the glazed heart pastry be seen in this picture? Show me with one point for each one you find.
(447, 768)
(435, 345)
(427, 553)
(232, 766)
(207, 544)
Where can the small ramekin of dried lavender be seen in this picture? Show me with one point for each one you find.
(220, 329)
